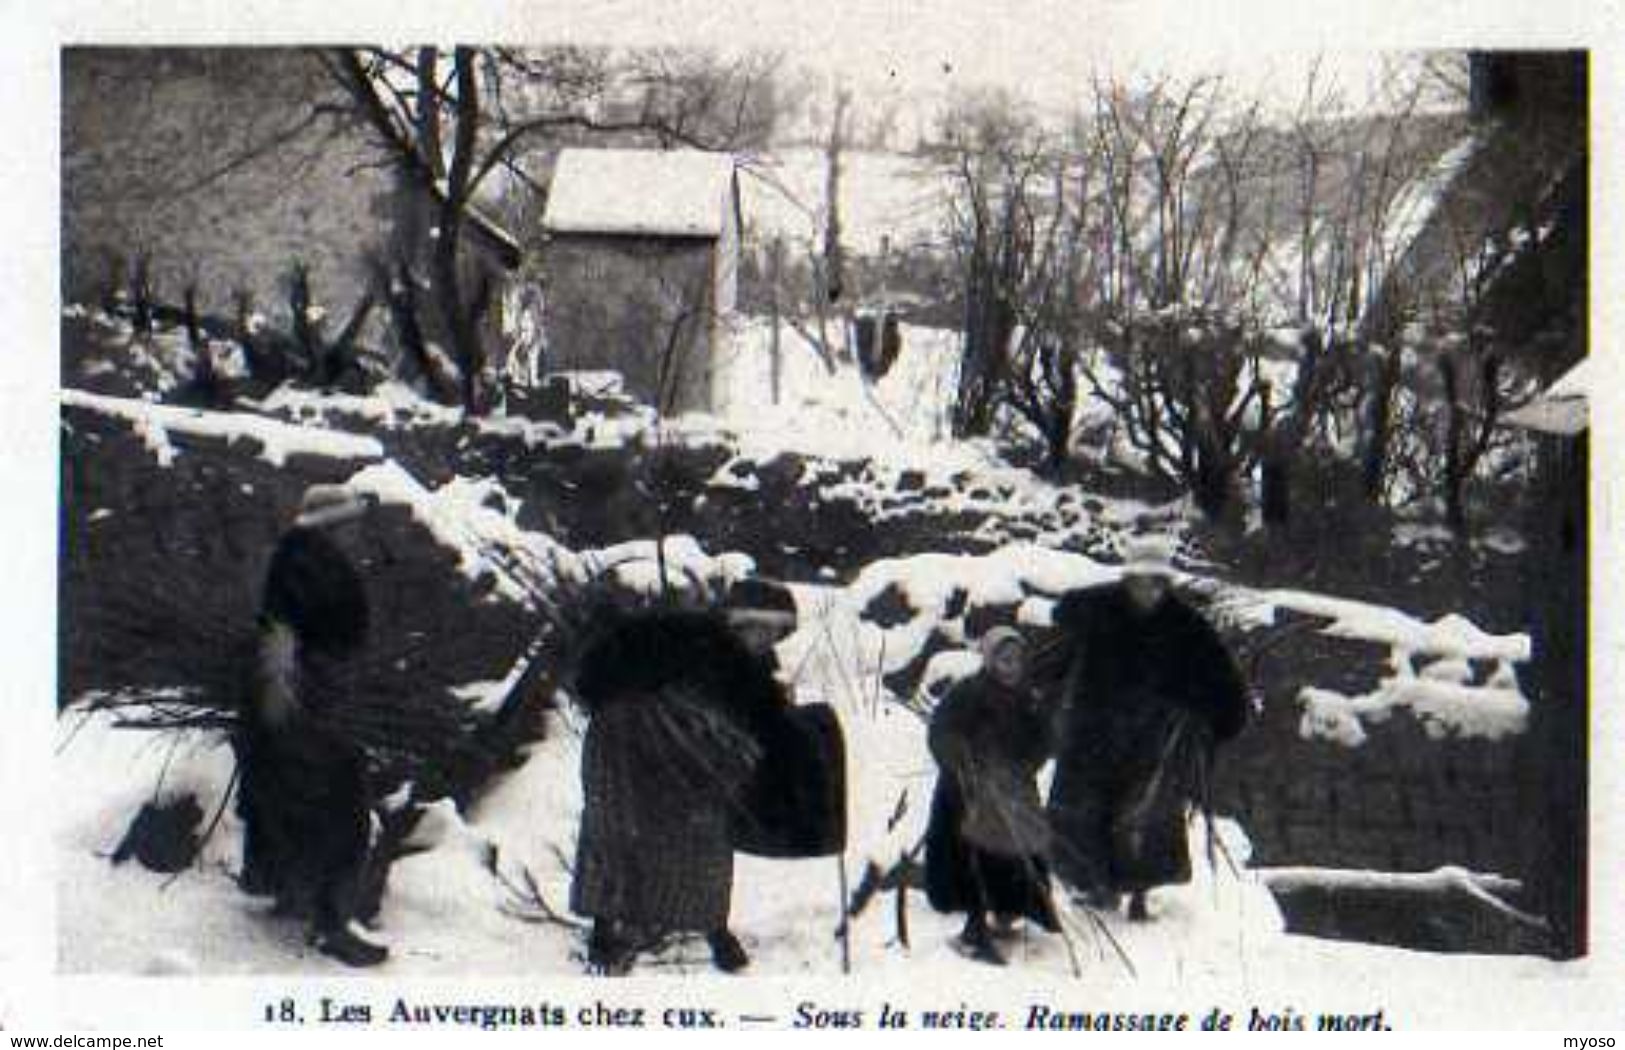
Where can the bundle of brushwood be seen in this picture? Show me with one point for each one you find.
(177, 652)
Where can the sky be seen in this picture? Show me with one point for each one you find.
(914, 55)
(1045, 48)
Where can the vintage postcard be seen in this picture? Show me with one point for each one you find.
(1024, 517)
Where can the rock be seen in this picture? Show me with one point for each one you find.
(163, 837)
(890, 608)
(906, 680)
(980, 619)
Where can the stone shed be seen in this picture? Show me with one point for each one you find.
(642, 263)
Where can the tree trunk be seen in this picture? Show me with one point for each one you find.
(1379, 426)
(141, 294)
(1275, 489)
(989, 324)
(1058, 443)
(1455, 455)
(461, 327)
(1213, 486)
(834, 256)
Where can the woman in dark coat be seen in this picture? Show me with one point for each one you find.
(1149, 693)
(676, 701)
(304, 794)
(987, 838)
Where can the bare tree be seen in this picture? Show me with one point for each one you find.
(998, 163)
(1346, 178)
(834, 254)
(687, 95)
(810, 289)
(1477, 382)
(1175, 292)
(448, 121)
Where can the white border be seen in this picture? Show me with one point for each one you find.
(30, 35)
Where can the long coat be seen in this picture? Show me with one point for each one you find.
(986, 840)
(673, 701)
(662, 777)
(313, 588)
(794, 805)
(304, 793)
(1146, 699)
(305, 800)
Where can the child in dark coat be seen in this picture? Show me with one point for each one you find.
(987, 840)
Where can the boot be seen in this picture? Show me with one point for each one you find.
(727, 954)
(977, 942)
(609, 952)
(349, 948)
(1044, 913)
(1137, 911)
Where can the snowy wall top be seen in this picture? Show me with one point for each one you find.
(660, 193)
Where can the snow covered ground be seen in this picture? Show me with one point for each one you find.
(487, 895)
(461, 907)
(464, 906)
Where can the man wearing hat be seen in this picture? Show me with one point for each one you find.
(304, 796)
(1148, 692)
(987, 841)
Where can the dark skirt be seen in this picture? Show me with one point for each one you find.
(959, 877)
(1104, 840)
(1097, 849)
(304, 800)
(655, 849)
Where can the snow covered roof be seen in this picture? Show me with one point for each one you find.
(662, 193)
(1561, 409)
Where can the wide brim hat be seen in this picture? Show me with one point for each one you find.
(326, 505)
(1150, 555)
(755, 600)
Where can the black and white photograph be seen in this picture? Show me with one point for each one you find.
(578, 506)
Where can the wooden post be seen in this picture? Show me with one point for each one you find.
(846, 920)
(775, 263)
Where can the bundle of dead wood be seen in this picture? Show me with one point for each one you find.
(178, 652)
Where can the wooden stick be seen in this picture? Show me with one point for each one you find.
(846, 921)
(902, 912)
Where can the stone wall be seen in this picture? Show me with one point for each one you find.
(1403, 800)
(217, 164)
(618, 303)
(136, 534)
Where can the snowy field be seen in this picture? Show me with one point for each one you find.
(486, 895)
(900, 199)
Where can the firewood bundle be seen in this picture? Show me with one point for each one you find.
(178, 653)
